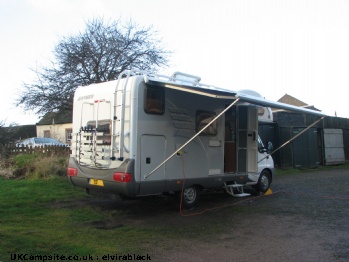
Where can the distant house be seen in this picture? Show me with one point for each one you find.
(288, 118)
(57, 125)
(287, 99)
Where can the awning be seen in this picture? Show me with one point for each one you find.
(203, 90)
(221, 93)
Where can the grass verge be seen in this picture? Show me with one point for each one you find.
(291, 171)
(34, 221)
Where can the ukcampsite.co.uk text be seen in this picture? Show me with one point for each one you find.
(56, 257)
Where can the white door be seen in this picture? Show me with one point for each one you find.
(334, 146)
(153, 149)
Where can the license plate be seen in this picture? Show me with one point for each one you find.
(96, 182)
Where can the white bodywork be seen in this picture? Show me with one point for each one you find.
(116, 131)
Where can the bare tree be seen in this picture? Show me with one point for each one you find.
(98, 54)
(7, 133)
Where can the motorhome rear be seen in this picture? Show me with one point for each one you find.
(128, 136)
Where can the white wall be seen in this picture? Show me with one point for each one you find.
(57, 131)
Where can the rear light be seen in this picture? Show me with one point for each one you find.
(71, 171)
(122, 177)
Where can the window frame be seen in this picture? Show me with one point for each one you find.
(68, 135)
(151, 90)
(199, 123)
(47, 133)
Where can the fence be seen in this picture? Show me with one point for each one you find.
(12, 150)
(308, 150)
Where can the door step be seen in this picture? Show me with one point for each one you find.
(239, 187)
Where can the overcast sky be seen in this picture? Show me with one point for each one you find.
(298, 47)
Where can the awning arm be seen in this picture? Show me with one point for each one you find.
(191, 139)
(284, 144)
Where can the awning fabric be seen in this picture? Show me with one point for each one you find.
(220, 93)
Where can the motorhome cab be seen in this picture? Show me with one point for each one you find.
(147, 134)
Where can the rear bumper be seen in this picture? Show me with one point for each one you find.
(85, 174)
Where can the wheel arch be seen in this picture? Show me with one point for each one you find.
(271, 173)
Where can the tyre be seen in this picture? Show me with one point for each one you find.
(263, 182)
(190, 196)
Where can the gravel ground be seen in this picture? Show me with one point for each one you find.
(305, 219)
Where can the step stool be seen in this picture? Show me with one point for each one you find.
(240, 188)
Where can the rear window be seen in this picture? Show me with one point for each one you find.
(104, 126)
(154, 100)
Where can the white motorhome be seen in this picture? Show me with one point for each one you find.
(147, 134)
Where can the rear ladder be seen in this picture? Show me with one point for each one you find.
(119, 117)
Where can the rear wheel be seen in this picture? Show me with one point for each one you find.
(264, 182)
(190, 196)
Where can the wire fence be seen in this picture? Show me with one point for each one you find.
(13, 150)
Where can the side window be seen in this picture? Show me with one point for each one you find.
(68, 134)
(154, 100)
(261, 111)
(47, 133)
(202, 119)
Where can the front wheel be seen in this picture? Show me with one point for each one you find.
(190, 196)
(264, 182)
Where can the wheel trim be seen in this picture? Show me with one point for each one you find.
(264, 182)
(189, 195)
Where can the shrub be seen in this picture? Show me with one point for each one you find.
(35, 166)
(23, 161)
(52, 165)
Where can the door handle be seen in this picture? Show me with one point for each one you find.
(253, 135)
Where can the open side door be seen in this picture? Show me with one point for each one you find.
(230, 163)
(247, 119)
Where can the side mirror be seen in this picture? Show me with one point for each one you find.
(270, 147)
(262, 150)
